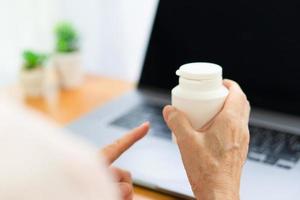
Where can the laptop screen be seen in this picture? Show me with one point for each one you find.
(256, 42)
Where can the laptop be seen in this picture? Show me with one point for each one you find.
(258, 44)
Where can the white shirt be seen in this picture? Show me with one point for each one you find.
(39, 161)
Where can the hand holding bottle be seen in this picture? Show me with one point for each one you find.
(214, 156)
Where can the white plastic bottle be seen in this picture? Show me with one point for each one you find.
(200, 93)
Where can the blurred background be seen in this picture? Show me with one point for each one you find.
(113, 33)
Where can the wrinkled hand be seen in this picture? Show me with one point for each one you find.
(115, 150)
(213, 157)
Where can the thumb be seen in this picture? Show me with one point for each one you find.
(177, 122)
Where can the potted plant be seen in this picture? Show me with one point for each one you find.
(67, 58)
(32, 73)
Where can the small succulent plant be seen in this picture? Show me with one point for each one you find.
(66, 38)
(33, 60)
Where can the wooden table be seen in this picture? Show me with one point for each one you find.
(93, 93)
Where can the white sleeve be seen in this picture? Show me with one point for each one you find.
(39, 161)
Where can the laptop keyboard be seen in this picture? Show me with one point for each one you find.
(267, 146)
(142, 113)
(274, 147)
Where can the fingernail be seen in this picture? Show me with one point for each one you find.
(147, 123)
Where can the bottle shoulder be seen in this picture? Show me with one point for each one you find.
(196, 94)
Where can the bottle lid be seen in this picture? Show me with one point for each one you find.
(200, 71)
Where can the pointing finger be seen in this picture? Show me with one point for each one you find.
(115, 150)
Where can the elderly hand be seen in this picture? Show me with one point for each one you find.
(115, 150)
(213, 157)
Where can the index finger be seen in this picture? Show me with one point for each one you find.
(115, 150)
(236, 101)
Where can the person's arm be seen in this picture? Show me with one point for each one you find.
(213, 157)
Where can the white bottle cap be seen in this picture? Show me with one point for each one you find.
(200, 71)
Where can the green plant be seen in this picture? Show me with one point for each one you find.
(66, 37)
(33, 60)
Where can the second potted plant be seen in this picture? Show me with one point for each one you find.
(67, 58)
(32, 73)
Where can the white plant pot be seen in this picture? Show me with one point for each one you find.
(32, 82)
(69, 69)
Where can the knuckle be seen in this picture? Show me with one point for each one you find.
(244, 97)
(246, 134)
(232, 123)
(238, 127)
(247, 103)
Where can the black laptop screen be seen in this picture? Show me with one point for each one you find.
(256, 42)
